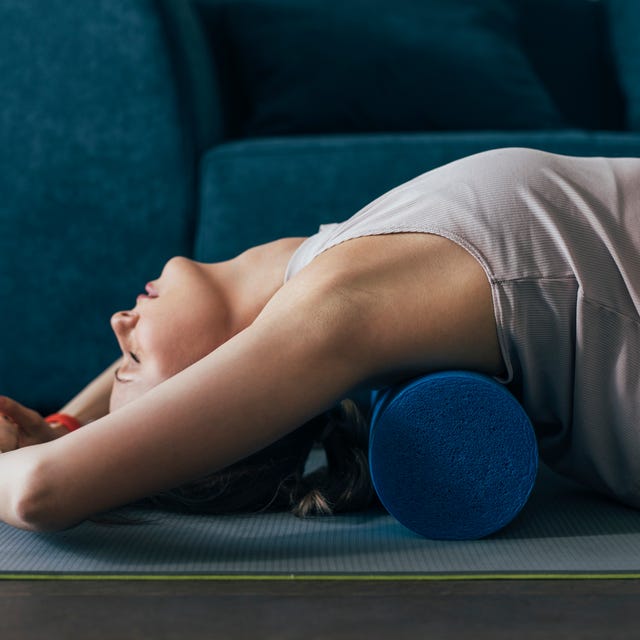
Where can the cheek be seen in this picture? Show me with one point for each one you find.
(194, 335)
(124, 393)
(176, 336)
(185, 350)
(117, 399)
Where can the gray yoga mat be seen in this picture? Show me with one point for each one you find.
(564, 531)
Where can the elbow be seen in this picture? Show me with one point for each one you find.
(34, 507)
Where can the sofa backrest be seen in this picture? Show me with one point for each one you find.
(312, 66)
(569, 45)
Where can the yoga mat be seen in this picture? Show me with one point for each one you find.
(564, 531)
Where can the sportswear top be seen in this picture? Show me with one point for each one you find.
(559, 239)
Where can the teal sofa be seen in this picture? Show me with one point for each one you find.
(135, 130)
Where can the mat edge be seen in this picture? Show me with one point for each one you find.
(230, 577)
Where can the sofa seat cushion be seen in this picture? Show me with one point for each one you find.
(257, 191)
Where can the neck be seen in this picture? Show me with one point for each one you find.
(252, 278)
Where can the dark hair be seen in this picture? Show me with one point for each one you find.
(273, 478)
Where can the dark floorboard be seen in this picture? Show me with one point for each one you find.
(256, 610)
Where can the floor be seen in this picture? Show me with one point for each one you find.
(282, 610)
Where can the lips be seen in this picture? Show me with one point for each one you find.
(152, 292)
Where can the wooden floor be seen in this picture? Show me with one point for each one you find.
(309, 610)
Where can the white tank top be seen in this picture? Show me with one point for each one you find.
(559, 239)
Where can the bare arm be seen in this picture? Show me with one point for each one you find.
(416, 304)
(292, 363)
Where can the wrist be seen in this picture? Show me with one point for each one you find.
(58, 430)
(63, 423)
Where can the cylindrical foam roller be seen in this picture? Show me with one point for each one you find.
(453, 455)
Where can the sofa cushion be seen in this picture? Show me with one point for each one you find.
(568, 44)
(372, 65)
(256, 191)
(624, 18)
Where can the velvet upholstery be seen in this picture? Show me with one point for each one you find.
(127, 138)
(624, 18)
(96, 192)
(255, 191)
(370, 65)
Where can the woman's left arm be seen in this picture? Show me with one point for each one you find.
(298, 358)
(362, 313)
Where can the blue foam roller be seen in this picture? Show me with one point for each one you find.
(453, 455)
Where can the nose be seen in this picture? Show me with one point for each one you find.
(123, 321)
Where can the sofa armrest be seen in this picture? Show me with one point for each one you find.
(97, 179)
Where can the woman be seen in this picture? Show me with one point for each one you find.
(516, 263)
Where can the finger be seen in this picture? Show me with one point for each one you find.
(10, 408)
(31, 426)
(8, 434)
(27, 419)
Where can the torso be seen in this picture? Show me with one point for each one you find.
(428, 303)
(558, 238)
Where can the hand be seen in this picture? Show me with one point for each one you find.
(8, 434)
(28, 425)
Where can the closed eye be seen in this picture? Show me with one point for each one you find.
(134, 356)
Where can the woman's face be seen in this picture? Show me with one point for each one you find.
(184, 315)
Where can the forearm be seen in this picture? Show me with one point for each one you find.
(24, 468)
(18, 469)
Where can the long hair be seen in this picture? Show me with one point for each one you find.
(274, 479)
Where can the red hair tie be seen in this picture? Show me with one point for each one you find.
(69, 422)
